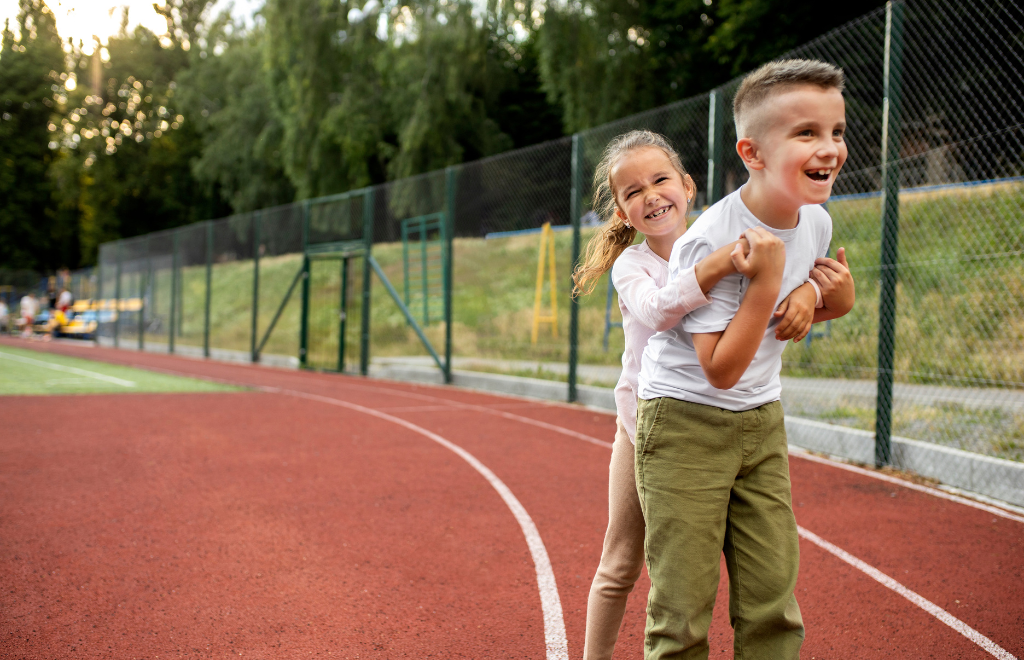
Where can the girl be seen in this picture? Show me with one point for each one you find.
(640, 185)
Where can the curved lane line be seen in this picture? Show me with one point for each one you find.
(554, 625)
(800, 453)
(925, 604)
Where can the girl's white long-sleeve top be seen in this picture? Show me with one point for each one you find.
(649, 304)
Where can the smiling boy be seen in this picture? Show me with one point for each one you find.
(711, 462)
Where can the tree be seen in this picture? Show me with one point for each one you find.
(30, 75)
(227, 95)
(605, 59)
(127, 148)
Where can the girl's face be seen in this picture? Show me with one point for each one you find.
(650, 194)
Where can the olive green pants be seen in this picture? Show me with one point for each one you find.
(711, 480)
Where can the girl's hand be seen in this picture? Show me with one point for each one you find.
(836, 282)
(797, 314)
(767, 255)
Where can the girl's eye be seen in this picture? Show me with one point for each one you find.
(838, 133)
(630, 193)
(660, 179)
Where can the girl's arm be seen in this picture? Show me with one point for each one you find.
(660, 309)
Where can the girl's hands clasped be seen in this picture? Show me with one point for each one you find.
(796, 313)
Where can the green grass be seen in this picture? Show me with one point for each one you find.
(25, 372)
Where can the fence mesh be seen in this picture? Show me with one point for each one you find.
(956, 102)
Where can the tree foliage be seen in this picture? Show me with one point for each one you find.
(316, 97)
(30, 70)
(605, 59)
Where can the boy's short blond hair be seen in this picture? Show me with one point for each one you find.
(773, 78)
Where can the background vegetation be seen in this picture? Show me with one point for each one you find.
(321, 96)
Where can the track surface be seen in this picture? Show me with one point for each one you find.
(265, 524)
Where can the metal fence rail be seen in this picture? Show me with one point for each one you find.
(929, 206)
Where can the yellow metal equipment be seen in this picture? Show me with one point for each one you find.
(547, 248)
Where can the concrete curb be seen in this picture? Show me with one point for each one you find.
(219, 354)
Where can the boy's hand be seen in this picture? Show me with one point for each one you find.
(797, 314)
(767, 255)
(836, 282)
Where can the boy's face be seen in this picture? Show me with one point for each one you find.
(802, 147)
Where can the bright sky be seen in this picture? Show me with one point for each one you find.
(81, 19)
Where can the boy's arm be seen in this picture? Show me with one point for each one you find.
(837, 289)
(724, 356)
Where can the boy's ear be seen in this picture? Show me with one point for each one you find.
(750, 153)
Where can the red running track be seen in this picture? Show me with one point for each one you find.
(288, 522)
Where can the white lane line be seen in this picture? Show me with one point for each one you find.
(70, 370)
(551, 605)
(925, 604)
(908, 484)
(491, 411)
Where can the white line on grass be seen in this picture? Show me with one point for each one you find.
(551, 605)
(70, 370)
(925, 604)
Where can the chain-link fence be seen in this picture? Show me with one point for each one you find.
(928, 206)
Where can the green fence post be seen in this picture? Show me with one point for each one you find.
(117, 297)
(716, 146)
(343, 314)
(253, 355)
(364, 335)
(174, 292)
(98, 297)
(891, 107)
(144, 278)
(209, 282)
(304, 314)
(447, 256)
(574, 306)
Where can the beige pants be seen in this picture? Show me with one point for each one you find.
(622, 559)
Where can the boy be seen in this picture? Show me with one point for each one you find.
(711, 461)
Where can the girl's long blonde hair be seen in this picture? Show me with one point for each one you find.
(614, 235)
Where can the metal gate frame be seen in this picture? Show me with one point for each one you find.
(363, 247)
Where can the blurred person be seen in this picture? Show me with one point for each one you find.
(29, 309)
(4, 316)
(65, 300)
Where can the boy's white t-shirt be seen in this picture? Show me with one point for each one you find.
(670, 367)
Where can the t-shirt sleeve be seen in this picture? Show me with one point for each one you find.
(725, 296)
(826, 234)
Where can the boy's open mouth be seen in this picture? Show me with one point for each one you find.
(819, 175)
(660, 212)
